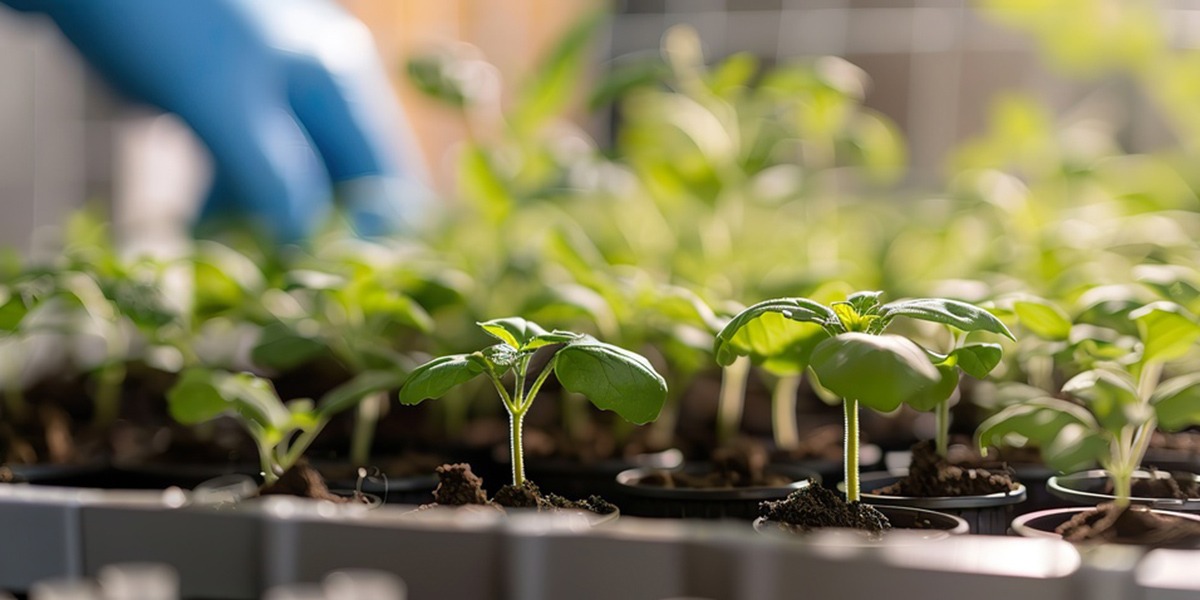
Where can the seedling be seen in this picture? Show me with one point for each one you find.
(281, 431)
(612, 378)
(846, 348)
(1113, 408)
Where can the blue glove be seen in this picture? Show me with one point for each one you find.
(290, 98)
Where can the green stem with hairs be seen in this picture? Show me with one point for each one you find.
(515, 421)
(851, 448)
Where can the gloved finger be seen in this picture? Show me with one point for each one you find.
(268, 173)
(350, 112)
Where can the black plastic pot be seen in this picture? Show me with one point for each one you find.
(1042, 523)
(575, 479)
(640, 500)
(1087, 489)
(915, 523)
(987, 514)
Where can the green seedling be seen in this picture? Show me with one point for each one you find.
(610, 377)
(281, 431)
(1112, 410)
(845, 346)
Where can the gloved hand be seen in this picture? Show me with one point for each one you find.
(289, 96)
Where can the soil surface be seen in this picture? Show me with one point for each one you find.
(741, 464)
(1178, 485)
(1134, 525)
(304, 481)
(930, 475)
(815, 507)
(458, 486)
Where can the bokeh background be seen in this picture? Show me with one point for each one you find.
(936, 68)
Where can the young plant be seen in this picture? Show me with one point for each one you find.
(612, 378)
(1114, 407)
(281, 431)
(846, 347)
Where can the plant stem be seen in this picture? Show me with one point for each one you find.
(296, 450)
(943, 428)
(515, 419)
(783, 412)
(732, 399)
(1122, 487)
(365, 420)
(851, 448)
(108, 394)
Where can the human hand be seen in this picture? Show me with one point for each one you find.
(289, 97)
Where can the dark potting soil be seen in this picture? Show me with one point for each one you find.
(458, 486)
(1178, 485)
(1134, 525)
(930, 475)
(814, 507)
(738, 465)
(304, 481)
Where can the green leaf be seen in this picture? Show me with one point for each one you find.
(977, 360)
(1043, 319)
(481, 184)
(433, 75)
(1109, 395)
(438, 376)
(612, 378)
(554, 337)
(281, 348)
(557, 77)
(930, 398)
(966, 317)
(12, 311)
(1177, 402)
(1168, 331)
(622, 78)
(514, 331)
(350, 393)
(880, 371)
(772, 329)
(201, 395)
(194, 398)
(1068, 436)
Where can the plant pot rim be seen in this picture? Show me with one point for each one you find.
(934, 502)
(766, 526)
(1060, 486)
(476, 511)
(630, 482)
(1022, 527)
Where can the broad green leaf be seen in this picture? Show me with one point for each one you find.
(201, 395)
(1067, 435)
(349, 394)
(928, 399)
(281, 348)
(1177, 402)
(612, 378)
(433, 379)
(1167, 330)
(977, 360)
(255, 398)
(397, 307)
(880, 371)
(771, 328)
(1109, 395)
(1043, 319)
(194, 398)
(514, 331)
(961, 315)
